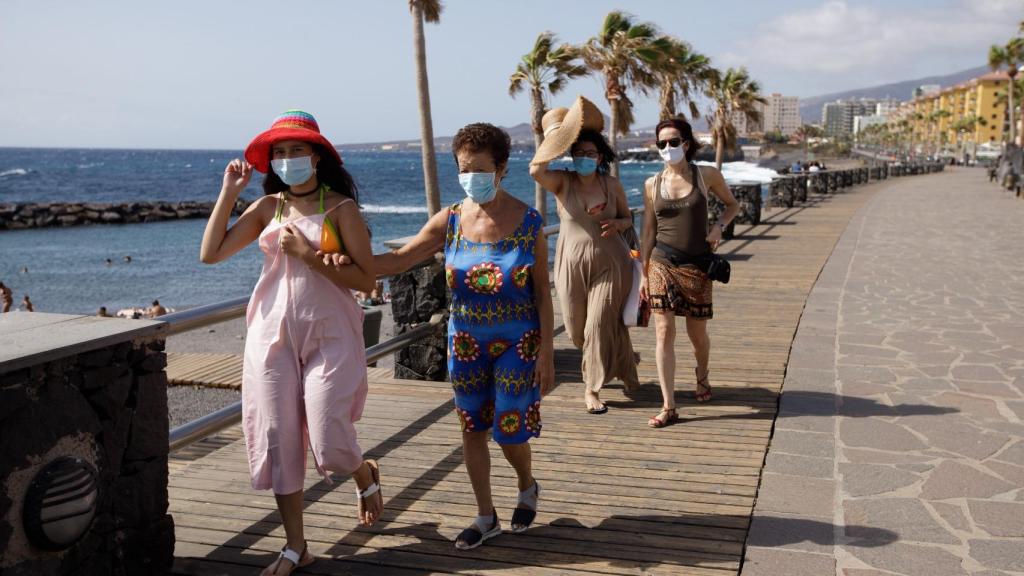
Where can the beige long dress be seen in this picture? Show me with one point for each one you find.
(593, 276)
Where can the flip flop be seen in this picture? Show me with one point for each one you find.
(601, 410)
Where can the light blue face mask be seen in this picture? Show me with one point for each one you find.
(479, 186)
(293, 171)
(584, 166)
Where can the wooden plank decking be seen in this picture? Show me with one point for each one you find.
(618, 497)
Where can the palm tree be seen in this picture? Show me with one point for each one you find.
(936, 135)
(679, 71)
(544, 69)
(430, 11)
(733, 92)
(1009, 56)
(805, 133)
(966, 125)
(623, 53)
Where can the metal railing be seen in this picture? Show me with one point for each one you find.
(232, 414)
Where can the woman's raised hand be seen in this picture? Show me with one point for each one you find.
(236, 177)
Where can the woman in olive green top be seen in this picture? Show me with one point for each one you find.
(676, 240)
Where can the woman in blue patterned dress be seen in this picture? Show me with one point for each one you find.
(500, 350)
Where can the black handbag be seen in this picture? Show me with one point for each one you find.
(715, 266)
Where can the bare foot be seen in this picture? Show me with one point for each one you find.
(594, 404)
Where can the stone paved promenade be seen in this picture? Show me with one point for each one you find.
(899, 445)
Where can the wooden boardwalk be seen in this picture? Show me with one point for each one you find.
(618, 497)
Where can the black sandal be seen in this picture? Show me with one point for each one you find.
(703, 391)
(522, 518)
(478, 532)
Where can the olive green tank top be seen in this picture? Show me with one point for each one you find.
(683, 222)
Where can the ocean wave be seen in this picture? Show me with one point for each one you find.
(14, 172)
(392, 209)
(637, 161)
(90, 165)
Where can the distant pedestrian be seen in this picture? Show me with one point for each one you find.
(156, 310)
(26, 304)
(7, 297)
(796, 167)
(102, 313)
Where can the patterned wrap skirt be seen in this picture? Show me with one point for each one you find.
(685, 290)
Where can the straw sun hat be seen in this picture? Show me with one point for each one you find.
(562, 127)
(292, 125)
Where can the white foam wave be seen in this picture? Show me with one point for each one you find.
(13, 172)
(89, 165)
(745, 172)
(392, 209)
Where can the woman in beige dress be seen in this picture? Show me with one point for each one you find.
(593, 268)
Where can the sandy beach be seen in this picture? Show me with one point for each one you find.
(186, 403)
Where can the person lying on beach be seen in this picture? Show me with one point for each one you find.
(304, 380)
(6, 296)
(156, 309)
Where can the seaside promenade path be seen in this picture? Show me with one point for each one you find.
(899, 445)
(621, 498)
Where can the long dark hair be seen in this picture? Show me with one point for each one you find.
(685, 132)
(328, 171)
(603, 148)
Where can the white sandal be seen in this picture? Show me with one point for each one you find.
(292, 556)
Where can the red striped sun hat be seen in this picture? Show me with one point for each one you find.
(292, 125)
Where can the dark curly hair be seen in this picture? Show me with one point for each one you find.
(685, 131)
(328, 171)
(483, 137)
(595, 138)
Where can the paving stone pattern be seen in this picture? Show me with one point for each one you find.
(900, 440)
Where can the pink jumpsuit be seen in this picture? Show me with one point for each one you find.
(304, 371)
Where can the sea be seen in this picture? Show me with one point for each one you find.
(65, 270)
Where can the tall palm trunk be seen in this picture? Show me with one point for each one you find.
(540, 201)
(613, 136)
(719, 152)
(667, 100)
(431, 188)
(1009, 108)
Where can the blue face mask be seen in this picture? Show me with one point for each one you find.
(293, 171)
(584, 166)
(479, 186)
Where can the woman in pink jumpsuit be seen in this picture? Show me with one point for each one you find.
(304, 370)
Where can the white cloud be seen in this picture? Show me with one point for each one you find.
(839, 38)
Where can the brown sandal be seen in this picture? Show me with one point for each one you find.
(703, 391)
(671, 417)
(371, 490)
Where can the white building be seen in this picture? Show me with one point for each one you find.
(744, 126)
(781, 114)
(862, 122)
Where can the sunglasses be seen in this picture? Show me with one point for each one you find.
(673, 142)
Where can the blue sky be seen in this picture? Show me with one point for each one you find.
(211, 74)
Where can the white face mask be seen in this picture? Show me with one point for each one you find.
(673, 154)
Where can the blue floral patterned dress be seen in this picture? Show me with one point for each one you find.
(494, 330)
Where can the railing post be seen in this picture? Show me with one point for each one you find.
(416, 296)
